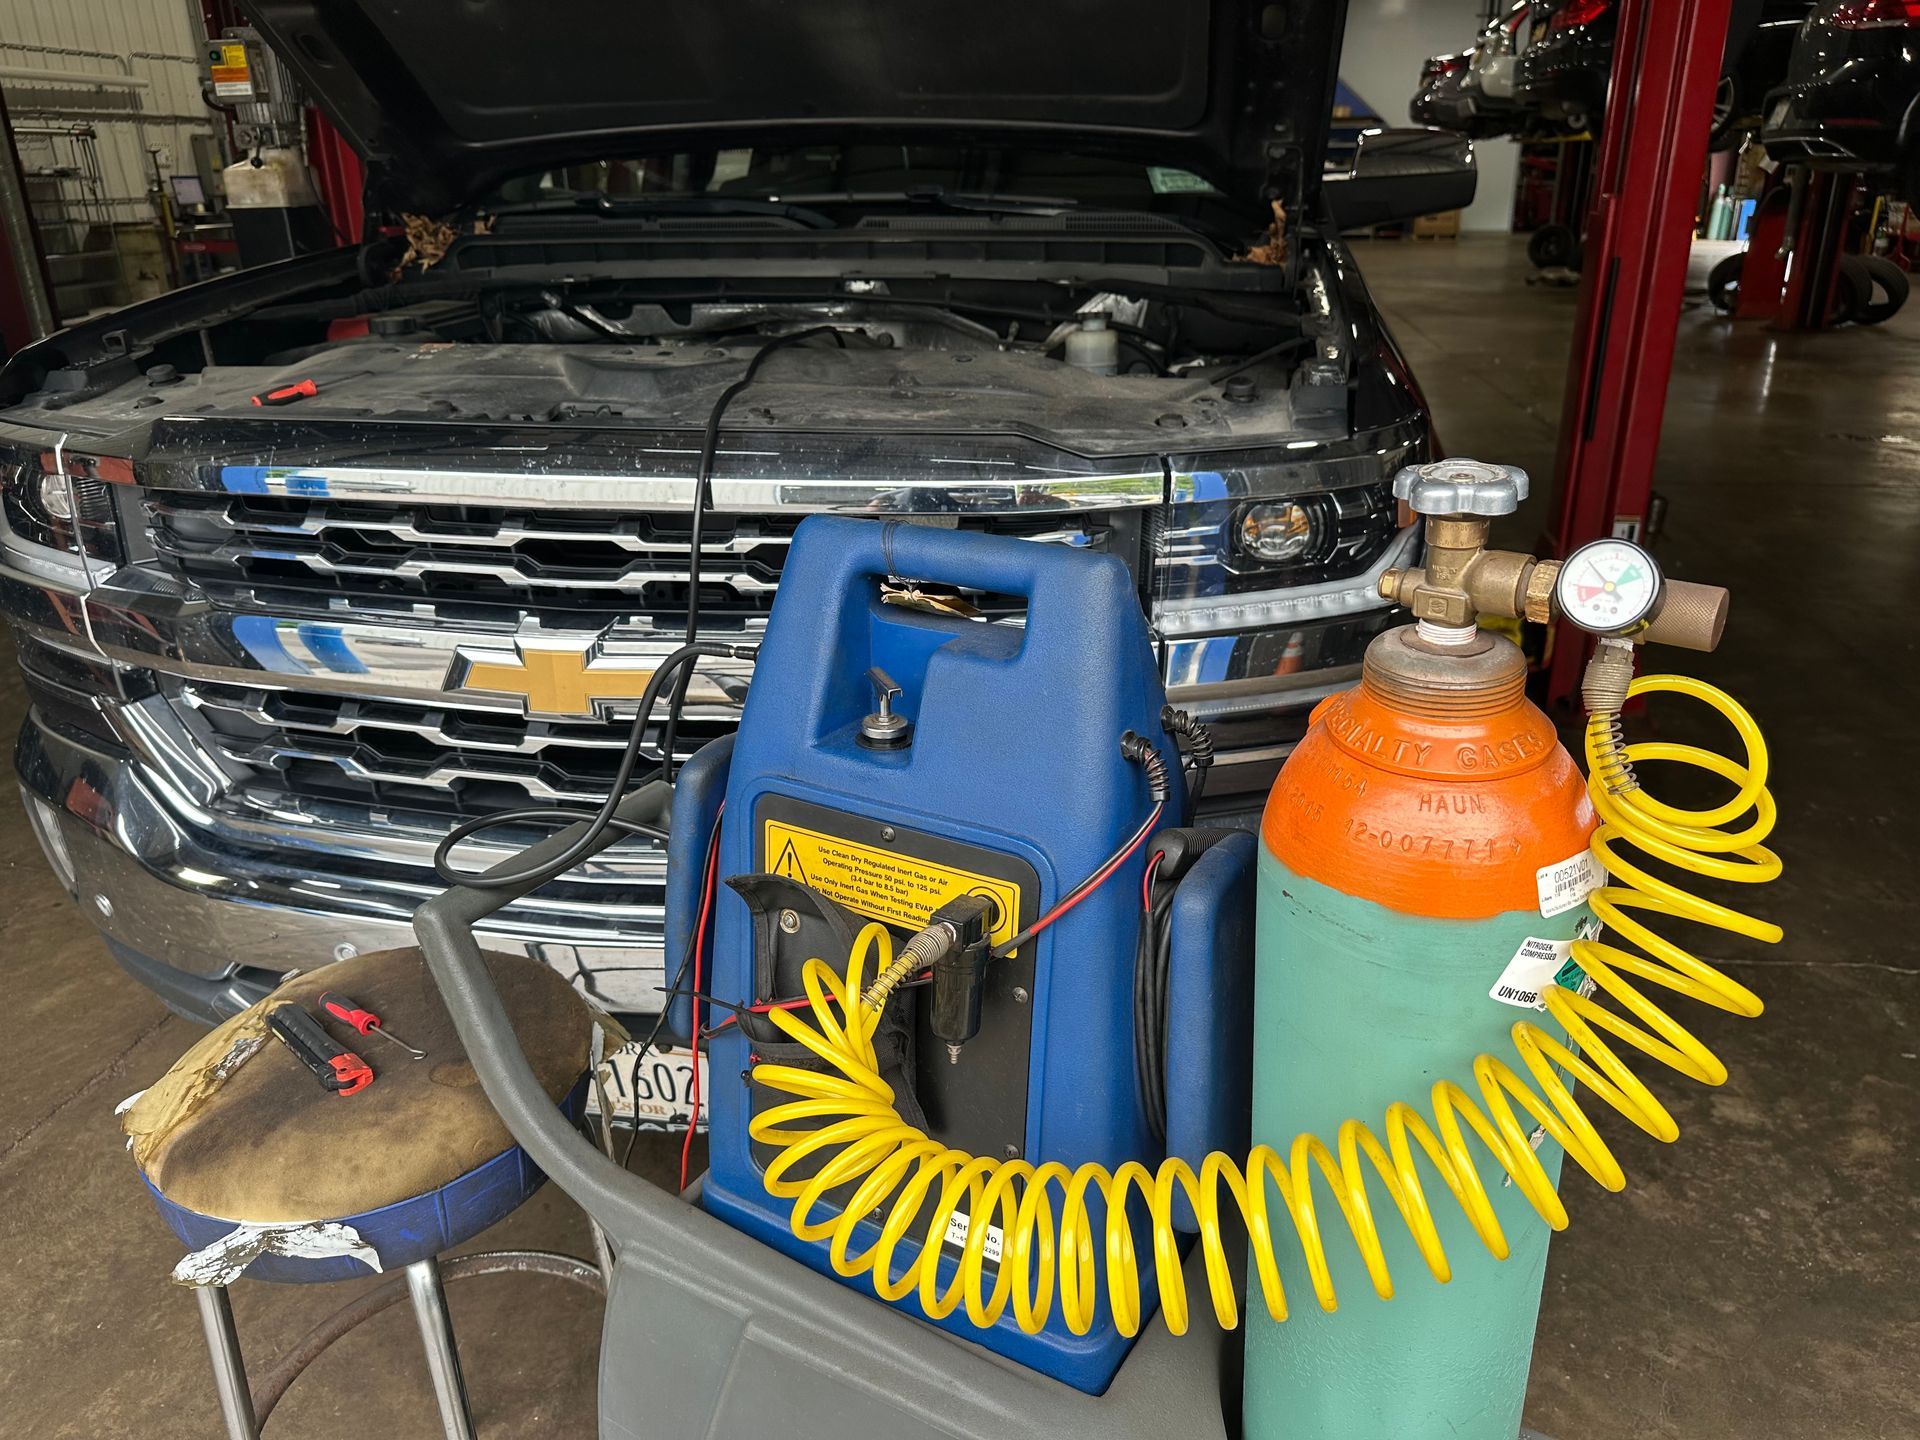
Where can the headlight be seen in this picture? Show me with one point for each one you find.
(1277, 531)
(1272, 537)
(56, 498)
(70, 510)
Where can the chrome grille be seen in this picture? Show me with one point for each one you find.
(457, 554)
(489, 572)
(441, 760)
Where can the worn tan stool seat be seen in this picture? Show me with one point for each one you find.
(264, 1173)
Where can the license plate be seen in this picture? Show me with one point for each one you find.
(1779, 110)
(651, 1092)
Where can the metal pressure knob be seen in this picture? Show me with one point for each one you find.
(885, 728)
(1461, 487)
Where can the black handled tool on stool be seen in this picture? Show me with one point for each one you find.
(334, 1066)
(352, 1012)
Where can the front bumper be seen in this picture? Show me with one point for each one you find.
(207, 890)
(211, 920)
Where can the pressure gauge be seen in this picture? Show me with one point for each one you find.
(1610, 587)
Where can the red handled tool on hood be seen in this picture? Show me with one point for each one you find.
(336, 1068)
(352, 1012)
(287, 394)
(304, 389)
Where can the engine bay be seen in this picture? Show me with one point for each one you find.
(1118, 374)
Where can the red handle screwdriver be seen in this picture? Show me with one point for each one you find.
(352, 1012)
(287, 394)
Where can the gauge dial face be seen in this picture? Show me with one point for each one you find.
(1608, 587)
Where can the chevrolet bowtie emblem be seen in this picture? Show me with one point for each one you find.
(553, 680)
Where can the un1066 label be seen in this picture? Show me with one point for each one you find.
(1540, 964)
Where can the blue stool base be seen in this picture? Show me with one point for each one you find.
(400, 1233)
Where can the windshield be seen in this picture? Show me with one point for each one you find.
(826, 174)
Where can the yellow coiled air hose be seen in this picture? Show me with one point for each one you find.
(854, 1134)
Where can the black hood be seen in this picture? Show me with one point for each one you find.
(446, 98)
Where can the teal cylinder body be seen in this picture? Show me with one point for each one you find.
(1357, 1006)
(1417, 839)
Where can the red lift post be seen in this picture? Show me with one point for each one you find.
(1646, 191)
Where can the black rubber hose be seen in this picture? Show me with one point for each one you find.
(310, 1346)
(601, 820)
(1151, 965)
(702, 502)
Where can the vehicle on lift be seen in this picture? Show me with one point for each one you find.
(312, 564)
(1852, 92)
(1473, 92)
(1564, 70)
(1439, 100)
(1493, 70)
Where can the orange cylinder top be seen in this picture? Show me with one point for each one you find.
(1448, 815)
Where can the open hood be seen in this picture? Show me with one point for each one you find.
(446, 98)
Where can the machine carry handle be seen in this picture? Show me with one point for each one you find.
(998, 563)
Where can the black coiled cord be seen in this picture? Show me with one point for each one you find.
(1145, 754)
(1198, 750)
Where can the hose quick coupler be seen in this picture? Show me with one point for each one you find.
(1603, 689)
(955, 946)
(960, 975)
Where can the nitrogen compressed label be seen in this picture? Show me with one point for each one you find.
(882, 884)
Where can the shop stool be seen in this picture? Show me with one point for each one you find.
(263, 1173)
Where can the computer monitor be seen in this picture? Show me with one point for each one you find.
(188, 192)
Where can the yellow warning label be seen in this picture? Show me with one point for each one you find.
(882, 884)
(231, 74)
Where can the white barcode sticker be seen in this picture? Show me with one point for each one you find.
(958, 1224)
(1569, 882)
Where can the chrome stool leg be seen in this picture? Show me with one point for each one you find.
(229, 1370)
(443, 1361)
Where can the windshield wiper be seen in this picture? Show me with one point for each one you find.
(987, 201)
(598, 203)
(808, 214)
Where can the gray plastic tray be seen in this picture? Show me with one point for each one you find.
(711, 1333)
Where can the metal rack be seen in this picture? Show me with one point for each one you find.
(101, 234)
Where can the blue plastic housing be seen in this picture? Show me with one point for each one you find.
(699, 789)
(1016, 748)
(1210, 1010)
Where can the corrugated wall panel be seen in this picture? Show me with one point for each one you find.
(151, 40)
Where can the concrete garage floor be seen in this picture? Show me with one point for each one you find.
(1755, 1281)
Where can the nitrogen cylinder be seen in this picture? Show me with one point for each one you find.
(1422, 871)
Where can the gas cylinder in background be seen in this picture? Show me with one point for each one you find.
(1424, 865)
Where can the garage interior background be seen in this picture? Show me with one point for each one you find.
(1754, 1283)
(1387, 41)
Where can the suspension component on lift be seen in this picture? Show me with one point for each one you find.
(1428, 825)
